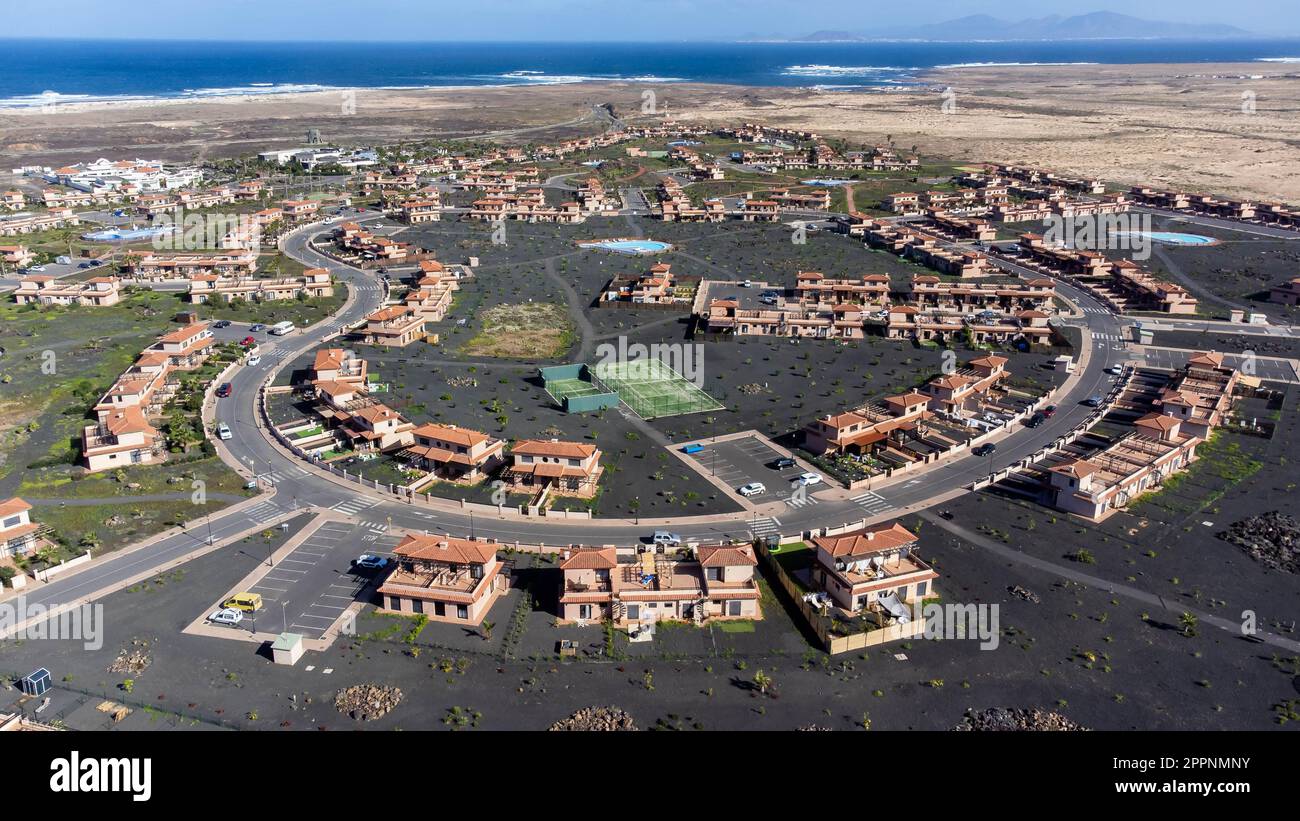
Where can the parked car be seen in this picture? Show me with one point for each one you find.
(666, 538)
(1049, 411)
(223, 431)
(254, 360)
(1115, 370)
(221, 323)
(781, 463)
(256, 327)
(1093, 401)
(1035, 420)
(248, 602)
(36, 268)
(752, 489)
(247, 341)
(223, 390)
(809, 479)
(227, 615)
(986, 449)
(367, 561)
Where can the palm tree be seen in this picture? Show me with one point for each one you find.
(763, 682)
(487, 630)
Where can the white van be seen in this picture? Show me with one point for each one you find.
(281, 329)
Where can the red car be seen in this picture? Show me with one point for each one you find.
(224, 390)
(1049, 411)
(248, 342)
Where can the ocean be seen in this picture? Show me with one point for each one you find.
(40, 72)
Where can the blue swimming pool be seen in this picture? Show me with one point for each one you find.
(629, 246)
(1172, 237)
(128, 234)
(826, 183)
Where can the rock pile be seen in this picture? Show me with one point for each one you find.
(1021, 593)
(1272, 539)
(366, 702)
(596, 719)
(1009, 718)
(133, 659)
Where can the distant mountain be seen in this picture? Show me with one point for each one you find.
(1097, 25)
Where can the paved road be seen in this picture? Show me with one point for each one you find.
(296, 486)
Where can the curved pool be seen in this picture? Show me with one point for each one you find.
(826, 183)
(1171, 237)
(628, 246)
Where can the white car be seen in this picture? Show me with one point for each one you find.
(1115, 370)
(752, 489)
(223, 431)
(254, 360)
(227, 615)
(809, 479)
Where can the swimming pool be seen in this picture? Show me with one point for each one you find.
(628, 246)
(128, 234)
(826, 183)
(1171, 237)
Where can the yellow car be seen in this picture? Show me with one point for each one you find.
(250, 602)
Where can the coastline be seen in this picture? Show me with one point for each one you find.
(1176, 124)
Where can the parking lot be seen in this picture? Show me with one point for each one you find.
(308, 590)
(1275, 370)
(744, 460)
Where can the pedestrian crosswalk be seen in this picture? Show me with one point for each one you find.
(800, 500)
(278, 353)
(353, 506)
(275, 477)
(262, 512)
(873, 503)
(766, 527)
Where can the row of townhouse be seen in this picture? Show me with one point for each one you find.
(526, 206)
(884, 425)
(314, 283)
(658, 286)
(153, 204)
(1034, 176)
(594, 199)
(632, 589)
(923, 248)
(1197, 203)
(815, 200)
(27, 223)
(1197, 398)
(168, 265)
(377, 181)
(122, 433)
(1123, 283)
(42, 289)
(699, 168)
(847, 309)
(13, 200)
(675, 206)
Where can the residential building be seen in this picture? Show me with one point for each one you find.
(630, 589)
(19, 535)
(455, 454)
(875, 569)
(570, 468)
(444, 579)
(49, 291)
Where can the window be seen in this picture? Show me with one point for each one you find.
(584, 611)
(417, 606)
(12, 521)
(462, 612)
(713, 574)
(921, 587)
(394, 603)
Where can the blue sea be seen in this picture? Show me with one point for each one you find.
(38, 72)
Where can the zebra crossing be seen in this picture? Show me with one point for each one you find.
(353, 506)
(766, 527)
(800, 500)
(278, 354)
(873, 503)
(275, 477)
(262, 512)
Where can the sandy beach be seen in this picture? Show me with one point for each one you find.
(1223, 128)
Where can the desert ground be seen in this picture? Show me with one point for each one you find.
(1177, 125)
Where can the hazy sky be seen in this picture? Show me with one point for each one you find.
(568, 19)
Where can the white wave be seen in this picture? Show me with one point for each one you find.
(839, 71)
(543, 79)
(994, 65)
(1277, 59)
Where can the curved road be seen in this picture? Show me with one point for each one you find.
(297, 486)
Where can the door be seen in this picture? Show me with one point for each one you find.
(733, 607)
